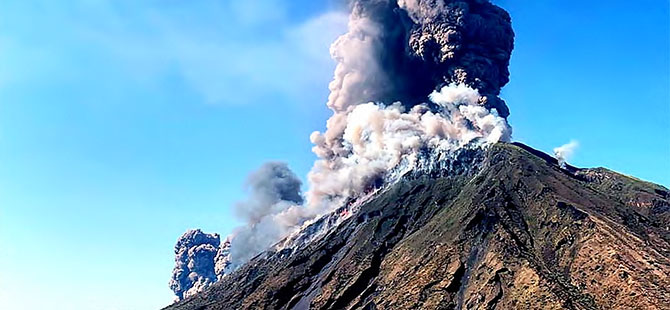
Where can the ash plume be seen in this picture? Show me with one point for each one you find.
(269, 186)
(194, 263)
(403, 54)
(414, 78)
(269, 213)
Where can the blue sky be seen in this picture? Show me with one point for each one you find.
(124, 123)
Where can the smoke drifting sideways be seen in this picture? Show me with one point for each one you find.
(270, 212)
(413, 77)
(565, 152)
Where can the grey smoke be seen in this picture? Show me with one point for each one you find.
(201, 259)
(194, 263)
(222, 262)
(271, 184)
(273, 190)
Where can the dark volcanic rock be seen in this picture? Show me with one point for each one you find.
(518, 232)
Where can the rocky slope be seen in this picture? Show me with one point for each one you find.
(512, 231)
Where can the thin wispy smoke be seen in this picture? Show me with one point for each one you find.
(564, 152)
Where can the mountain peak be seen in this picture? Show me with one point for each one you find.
(517, 231)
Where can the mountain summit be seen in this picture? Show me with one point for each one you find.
(505, 227)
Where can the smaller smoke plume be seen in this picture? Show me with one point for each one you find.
(269, 212)
(222, 260)
(564, 152)
(194, 263)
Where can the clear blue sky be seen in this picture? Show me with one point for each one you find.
(123, 123)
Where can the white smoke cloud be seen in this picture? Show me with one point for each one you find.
(376, 138)
(357, 74)
(564, 152)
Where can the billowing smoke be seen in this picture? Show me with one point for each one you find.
(269, 214)
(194, 258)
(413, 78)
(395, 56)
(564, 152)
(274, 194)
(378, 138)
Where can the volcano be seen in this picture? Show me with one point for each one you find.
(419, 200)
(501, 227)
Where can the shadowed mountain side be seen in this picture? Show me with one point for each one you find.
(513, 232)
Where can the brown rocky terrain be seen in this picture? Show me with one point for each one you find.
(504, 228)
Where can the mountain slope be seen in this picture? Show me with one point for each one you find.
(503, 228)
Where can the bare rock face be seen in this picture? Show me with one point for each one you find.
(194, 257)
(517, 232)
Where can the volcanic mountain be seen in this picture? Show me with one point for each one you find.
(418, 200)
(500, 227)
